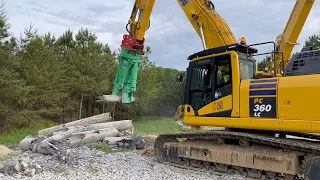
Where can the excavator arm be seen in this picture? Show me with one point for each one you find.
(208, 24)
(138, 24)
(288, 39)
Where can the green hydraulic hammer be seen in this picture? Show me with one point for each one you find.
(125, 83)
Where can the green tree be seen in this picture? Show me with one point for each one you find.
(170, 92)
(58, 78)
(44, 79)
(264, 63)
(313, 41)
(4, 24)
(91, 68)
(157, 92)
(12, 91)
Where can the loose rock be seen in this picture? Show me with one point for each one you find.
(94, 164)
(4, 150)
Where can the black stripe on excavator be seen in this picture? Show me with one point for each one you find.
(260, 86)
(218, 114)
(272, 92)
(263, 81)
(263, 87)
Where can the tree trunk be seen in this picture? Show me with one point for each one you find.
(90, 109)
(80, 108)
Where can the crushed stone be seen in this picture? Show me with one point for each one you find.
(85, 163)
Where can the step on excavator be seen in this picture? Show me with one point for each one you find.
(271, 121)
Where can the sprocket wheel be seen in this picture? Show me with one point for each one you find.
(311, 168)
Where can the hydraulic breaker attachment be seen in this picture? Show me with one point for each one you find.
(125, 83)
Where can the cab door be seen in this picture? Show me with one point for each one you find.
(199, 87)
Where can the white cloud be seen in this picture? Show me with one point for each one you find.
(171, 36)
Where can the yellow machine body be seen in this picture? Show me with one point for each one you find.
(277, 104)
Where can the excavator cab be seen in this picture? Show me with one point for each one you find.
(213, 79)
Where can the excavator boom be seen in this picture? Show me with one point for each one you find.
(288, 39)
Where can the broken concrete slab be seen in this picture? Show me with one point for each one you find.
(74, 136)
(115, 140)
(60, 141)
(112, 98)
(105, 117)
(92, 136)
(120, 125)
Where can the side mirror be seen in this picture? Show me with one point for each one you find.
(179, 78)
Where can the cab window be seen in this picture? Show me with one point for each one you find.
(200, 86)
(223, 73)
(246, 69)
(201, 77)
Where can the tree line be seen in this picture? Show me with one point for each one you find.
(48, 77)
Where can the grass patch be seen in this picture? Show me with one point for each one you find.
(92, 170)
(102, 147)
(62, 172)
(105, 148)
(6, 157)
(157, 125)
(15, 136)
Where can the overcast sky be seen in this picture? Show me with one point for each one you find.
(170, 36)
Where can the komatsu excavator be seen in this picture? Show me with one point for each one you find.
(271, 124)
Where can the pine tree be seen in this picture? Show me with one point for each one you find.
(12, 88)
(313, 41)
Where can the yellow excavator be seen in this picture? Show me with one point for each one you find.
(271, 124)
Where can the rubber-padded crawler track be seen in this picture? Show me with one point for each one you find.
(214, 172)
(309, 148)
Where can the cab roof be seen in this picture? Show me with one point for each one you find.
(242, 48)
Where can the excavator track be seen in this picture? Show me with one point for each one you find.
(254, 155)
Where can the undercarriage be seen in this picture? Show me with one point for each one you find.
(255, 155)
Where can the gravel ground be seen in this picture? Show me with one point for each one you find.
(93, 164)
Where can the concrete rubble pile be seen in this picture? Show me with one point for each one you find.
(59, 141)
(21, 167)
